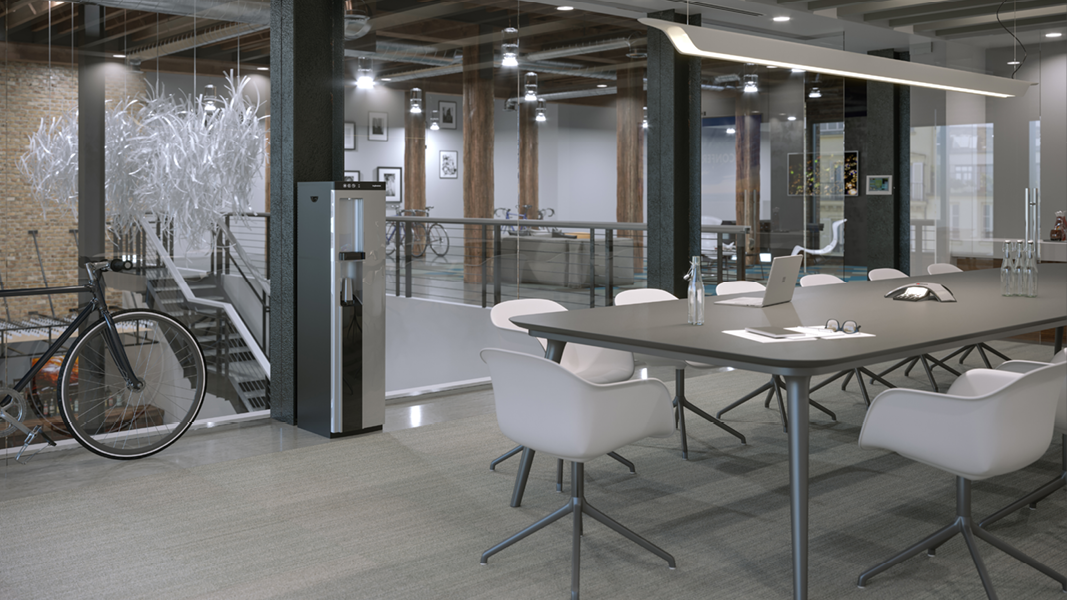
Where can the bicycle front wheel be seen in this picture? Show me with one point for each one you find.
(437, 238)
(114, 420)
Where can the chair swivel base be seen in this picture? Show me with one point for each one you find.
(681, 403)
(964, 525)
(982, 347)
(774, 387)
(928, 361)
(859, 372)
(526, 464)
(578, 506)
(1033, 497)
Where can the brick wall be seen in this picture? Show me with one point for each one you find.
(30, 92)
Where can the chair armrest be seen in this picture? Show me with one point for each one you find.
(1020, 366)
(979, 382)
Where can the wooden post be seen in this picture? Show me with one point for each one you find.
(528, 173)
(477, 154)
(629, 157)
(747, 188)
(415, 168)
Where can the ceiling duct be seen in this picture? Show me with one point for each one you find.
(392, 55)
(357, 19)
(588, 93)
(581, 49)
(240, 11)
(190, 41)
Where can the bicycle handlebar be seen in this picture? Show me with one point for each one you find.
(116, 264)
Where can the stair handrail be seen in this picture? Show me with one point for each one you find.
(264, 283)
(231, 312)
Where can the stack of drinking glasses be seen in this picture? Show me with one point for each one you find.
(1018, 272)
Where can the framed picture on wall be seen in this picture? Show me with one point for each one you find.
(378, 126)
(350, 135)
(449, 114)
(393, 179)
(879, 185)
(351, 175)
(448, 165)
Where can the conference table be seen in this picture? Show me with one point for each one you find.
(901, 329)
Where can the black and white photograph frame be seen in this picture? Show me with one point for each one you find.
(350, 135)
(879, 185)
(393, 177)
(378, 126)
(449, 113)
(448, 164)
(351, 175)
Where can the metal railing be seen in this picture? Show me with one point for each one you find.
(231, 258)
(577, 263)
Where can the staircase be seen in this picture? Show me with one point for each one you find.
(233, 371)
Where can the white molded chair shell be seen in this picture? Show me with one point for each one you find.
(941, 268)
(547, 408)
(642, 296)
(1025, 366)
(738, 287)
(600, 365)
(835, 230)
(819, 279)
(880, 274)
(988, 423)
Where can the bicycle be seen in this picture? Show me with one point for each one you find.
(131, 384)
(436, 235)
(418, 234)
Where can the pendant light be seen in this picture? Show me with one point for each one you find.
(539, 112)
(415, 102)
(434, 119)
(531, 87)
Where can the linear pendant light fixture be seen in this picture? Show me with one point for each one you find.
(743, 48)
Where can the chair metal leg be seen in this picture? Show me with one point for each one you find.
(496, 461)
(781, 405)
(767, 400)
(848, 378)
(987, 583)
(935, 362)
(1014, 552)
(985, 346)
(577, 504)
(622, 460)
(907, 361)
(522, 477)
(559, 475)
(556, 515)
(964, 524)
(700, 413)
(930, 374)
(763, 388)
(827, 382)
(628, 534)
(679, 403)
(1035, 496)
(985, 359)
(863, 388)
(966, 352)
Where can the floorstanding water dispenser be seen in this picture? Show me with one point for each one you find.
(340, 307)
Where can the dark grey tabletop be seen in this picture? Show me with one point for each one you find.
(901, 329)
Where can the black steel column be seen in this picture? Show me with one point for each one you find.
(888, 146)
(307, 112)
(673, 158)
(91, 215)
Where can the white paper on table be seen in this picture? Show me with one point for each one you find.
(810, 333)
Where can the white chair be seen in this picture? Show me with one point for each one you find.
(568, 417)
(775, 385)
(945, 268)
(887, 273)
(641, 296)
(988, 423)
(709, 242)
(824, 279)
(942, 268)
(1024, 366)
(598, 365)
(835, 230)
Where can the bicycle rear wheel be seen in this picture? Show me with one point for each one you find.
(115, 421)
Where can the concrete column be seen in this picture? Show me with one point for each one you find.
(91, 214)
(888, 146)
(673, 159)
(306, 144)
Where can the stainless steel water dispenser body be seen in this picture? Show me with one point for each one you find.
(340, 291)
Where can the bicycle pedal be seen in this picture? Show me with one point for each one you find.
(29, 440)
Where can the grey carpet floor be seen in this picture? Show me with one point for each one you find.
(406, 515)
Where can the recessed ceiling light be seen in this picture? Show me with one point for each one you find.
(602, 85)
(1054, 34)
(1014, 62)
(771, 67)
(262, 68)
(790, 118)
(387, 78)
(119, 55)
(798, 70)
(564, 8)
(730, 131)
(781, 19)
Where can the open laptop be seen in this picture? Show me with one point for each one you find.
(780, 284)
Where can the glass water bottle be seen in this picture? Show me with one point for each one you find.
(1018, 283)
(1030, 271)
(1006, 288)
(696, 293)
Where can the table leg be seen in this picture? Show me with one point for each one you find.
(797, 401)
(1058, 341)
